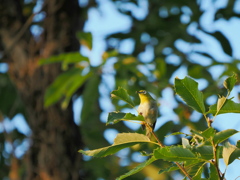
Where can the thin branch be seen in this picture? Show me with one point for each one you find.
(162, 145)
(215, 163)
(21, 32)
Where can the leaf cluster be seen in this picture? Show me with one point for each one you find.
(196, 150)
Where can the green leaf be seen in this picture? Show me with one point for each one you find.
(187, 89)
(173, 167)
(122, 94)
(209, 132)
(234, 155)
(10, 100)
(174, 153)
(138, 168)
(228, 107)
(123, 140)
(85, 39)
(228, 149)
(224, 135)
(64, 85)
(205, 152)
(230, 82)
(198, 171)
(66, 58)
(197, 133)
(213, 173)
(115, 117)
(176, 133)
(230, 153)
(238, 144)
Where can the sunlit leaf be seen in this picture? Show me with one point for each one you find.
(122, 94)
(109, 54)
(228, 149)
(185, 142)
(115, 117)
(123, 140)
(220, 103)
(176, 133)
(138, 168)
(228, 107)
(224, 135)
(187, 89)
(230, 153)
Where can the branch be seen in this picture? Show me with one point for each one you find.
(162, 145)
(215, 163)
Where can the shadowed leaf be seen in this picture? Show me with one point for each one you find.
(115, 117)
(173, 167)
(138, 168)
(122, 94)
(230, 82)
(64, 85)
(174, 154)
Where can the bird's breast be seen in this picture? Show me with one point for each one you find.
(144, 108)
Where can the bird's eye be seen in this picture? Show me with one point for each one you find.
(142, 92)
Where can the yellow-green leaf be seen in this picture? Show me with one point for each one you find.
(123, 140)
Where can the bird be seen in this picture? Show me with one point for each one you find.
(149, 110)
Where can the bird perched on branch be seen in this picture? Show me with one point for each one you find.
(149, 110)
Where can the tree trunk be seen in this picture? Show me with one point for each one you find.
(55, 137)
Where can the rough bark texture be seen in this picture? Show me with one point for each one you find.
(55, 137)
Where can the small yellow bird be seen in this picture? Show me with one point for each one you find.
(148, 109)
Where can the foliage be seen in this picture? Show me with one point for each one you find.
(203, 147)
(160, 30)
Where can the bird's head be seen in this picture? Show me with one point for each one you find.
(144, 96)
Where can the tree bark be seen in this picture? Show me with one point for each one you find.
(55, 138)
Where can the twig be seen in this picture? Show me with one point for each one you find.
(162, 145)
(22, 31)
(215, 163)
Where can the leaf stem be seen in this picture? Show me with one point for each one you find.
(162, 145)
